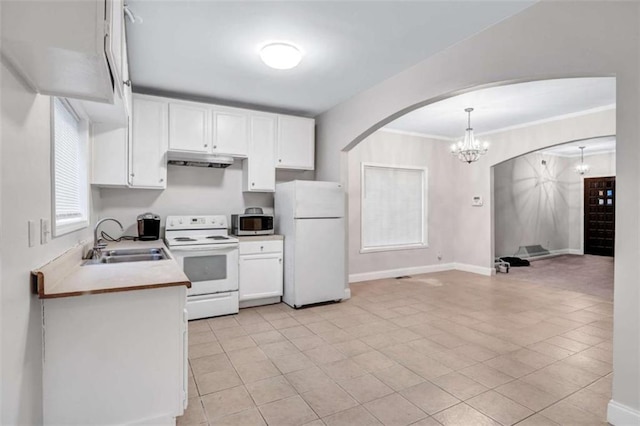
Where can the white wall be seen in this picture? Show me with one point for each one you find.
(547, 40)
(531, 203)
(476, 229)
(390, 148)
(26, 195)
(542, 204)
(190, 190)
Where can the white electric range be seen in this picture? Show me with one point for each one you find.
(209, 257)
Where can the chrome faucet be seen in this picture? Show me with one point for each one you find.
(97, 245)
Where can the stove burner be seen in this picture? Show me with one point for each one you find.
(217, 237)
(184, 239)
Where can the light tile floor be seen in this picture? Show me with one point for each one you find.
(449, 348)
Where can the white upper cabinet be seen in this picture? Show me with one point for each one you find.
(188, 127)
(66, 48)
(114, 42)
(230, 131)
(109, 155)
(149, 143)
(259, 174)
(296, 139)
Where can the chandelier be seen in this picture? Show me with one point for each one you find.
(469, 149)
(582, 168)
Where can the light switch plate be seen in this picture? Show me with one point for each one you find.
(477, 201)
(33, 233)
(44, 231)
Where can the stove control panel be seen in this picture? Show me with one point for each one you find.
(196, 222)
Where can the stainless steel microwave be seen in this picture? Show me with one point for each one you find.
(252, 224)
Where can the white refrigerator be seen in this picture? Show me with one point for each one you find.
(310, 215)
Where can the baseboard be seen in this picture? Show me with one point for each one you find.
(622, 415)
(552, 253)
(347, 294)
(259, 302)
(392, 273)
(481, 270)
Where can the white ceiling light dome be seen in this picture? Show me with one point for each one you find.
(280, 55)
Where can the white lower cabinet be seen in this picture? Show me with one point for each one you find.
(260, 270)
(115, 358)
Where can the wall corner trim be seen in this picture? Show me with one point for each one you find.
(621, 415)
(347, 294)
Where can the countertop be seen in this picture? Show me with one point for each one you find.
(66, 276)
(259, 237)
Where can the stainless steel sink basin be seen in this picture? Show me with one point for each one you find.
(128, 255)
(131, 258)
(130, 252)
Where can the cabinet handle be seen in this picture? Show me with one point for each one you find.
(215, 146)
(206, 145)
(280, 260)
(132, 175)
(161, 180)
(280, 160)
(261, 248)
(127, 82)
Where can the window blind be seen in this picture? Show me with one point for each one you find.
(68, 165)
(393, 207)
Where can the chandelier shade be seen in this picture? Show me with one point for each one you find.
(582, 168)
(469, 149)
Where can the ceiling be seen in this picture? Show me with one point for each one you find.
(209, 49)
(593, 146)
(498, 108)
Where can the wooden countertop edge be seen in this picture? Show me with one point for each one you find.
(38, 282)
(39, 277)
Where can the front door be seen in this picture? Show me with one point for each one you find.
(599, 215)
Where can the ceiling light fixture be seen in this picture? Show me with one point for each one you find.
(582, 168)
(280, 55)
(469, 149)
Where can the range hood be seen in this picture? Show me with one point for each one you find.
(198, 159)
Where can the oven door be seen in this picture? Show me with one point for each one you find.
(211, 269)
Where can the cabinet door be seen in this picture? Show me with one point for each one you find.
(296, 143)
(230, 132)
(114, 41)
(260, 276)
(109, 155)
(259, 169)
(188, 127)
(149, 144)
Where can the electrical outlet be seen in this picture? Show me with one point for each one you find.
(33, 233)
(44, 231)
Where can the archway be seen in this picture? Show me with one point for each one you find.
(540, 122)
(548, 39)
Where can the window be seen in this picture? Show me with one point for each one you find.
(69, 162)
(394, 207)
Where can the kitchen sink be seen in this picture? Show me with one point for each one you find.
(132, 252)
(128, 255)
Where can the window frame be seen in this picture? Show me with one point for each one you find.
(424, 207)
(66, 226)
